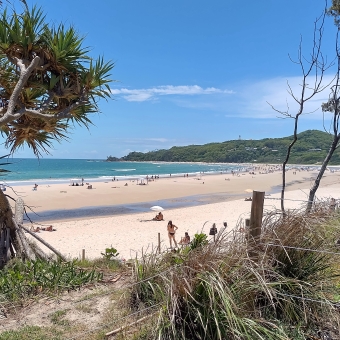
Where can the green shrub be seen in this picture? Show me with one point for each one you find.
(23, 278)
(199, 240)
(110, 253)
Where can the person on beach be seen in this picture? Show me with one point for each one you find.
(171, 233)
(185, 240)
(333, 204)
(159, 217)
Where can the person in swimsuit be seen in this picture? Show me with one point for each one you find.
(171, 233)
(185, 240)
(158, 217)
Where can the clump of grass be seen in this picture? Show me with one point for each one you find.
(100, 264)
(32, 333)
(219, 291)
(21, 279)
(58, 318)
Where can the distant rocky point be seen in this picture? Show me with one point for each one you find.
(113, 159)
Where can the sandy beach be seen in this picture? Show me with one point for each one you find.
(221, 199)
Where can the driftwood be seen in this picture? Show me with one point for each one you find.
(44, 243)
(7, 251)
(11, 248)
(29, 253)
(13, 241)
(38, 251)
(2, 245)
(18, 244)
(115, 331)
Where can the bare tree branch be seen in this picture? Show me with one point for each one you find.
(25, 73)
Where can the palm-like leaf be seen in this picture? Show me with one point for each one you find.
(67, 78)
(36, 133)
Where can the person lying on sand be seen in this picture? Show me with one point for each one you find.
(49, 228)
(248, 199)
(159, 217)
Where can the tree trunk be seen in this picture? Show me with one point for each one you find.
(6, 214)
(321, 172)
(286, 162)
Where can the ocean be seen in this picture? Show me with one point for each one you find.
(31, 170)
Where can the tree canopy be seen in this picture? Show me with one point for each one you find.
(311, 148)
(48, 81)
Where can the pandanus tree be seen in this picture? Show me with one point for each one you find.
(48, 82)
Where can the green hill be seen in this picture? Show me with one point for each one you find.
(311, 148)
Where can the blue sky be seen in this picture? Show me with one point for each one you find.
(190, 71)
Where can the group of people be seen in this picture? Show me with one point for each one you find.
(172, 232)
(37, 229)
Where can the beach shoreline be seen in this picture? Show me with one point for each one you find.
(220, 199)
(62, 201)
(62, 197)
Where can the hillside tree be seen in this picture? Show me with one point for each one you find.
(313, 69)
(332, 106)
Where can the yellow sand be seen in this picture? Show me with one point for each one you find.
(129, 235)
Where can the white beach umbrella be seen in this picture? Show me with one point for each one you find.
(248, 190)
(156, 208)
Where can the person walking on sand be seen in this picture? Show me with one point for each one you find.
(171, 233)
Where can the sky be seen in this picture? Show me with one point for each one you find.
(192, 71)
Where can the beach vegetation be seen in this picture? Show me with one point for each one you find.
(312, 69)
(22, 279)
(58, 318)
(311, 148)
(199, 240)
(332, 106)
(48, 80)
(101, 263)
(110, 253)
(33, 333)
(289, 290)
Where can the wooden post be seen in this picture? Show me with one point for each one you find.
(256, 215)
(247, 223)
(159, 243)
(83, 255)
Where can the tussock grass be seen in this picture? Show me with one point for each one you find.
(282, 287)
(21, 279)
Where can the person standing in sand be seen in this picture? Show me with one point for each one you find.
(171, 233)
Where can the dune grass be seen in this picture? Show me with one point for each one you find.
(221, 290)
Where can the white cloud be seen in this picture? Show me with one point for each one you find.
(140, 95)
(252, 100)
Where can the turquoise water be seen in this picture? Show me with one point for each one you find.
(26, 171)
